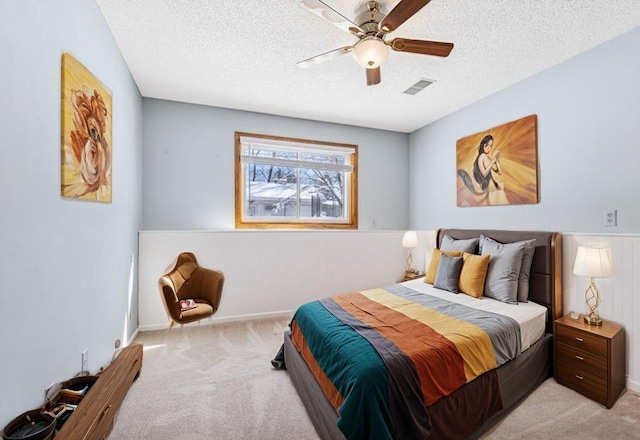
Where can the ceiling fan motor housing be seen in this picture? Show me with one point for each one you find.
(368, 20)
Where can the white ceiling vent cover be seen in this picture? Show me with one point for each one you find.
(422, 84)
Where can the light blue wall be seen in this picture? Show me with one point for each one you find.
(72, 265)
(65, 265)
(189, 165)
(588, 147)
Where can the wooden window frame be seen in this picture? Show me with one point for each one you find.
(351, 218)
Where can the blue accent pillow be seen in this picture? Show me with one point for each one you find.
(448, 273)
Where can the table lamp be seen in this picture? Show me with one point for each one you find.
(593, 262)
(410, 241)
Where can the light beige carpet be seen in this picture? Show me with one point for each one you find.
(216, 382)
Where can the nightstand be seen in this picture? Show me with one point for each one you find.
(590, 359)
(408, 276)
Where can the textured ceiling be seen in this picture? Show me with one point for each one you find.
(242, 54)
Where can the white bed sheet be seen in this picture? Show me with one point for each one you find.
(531, 316)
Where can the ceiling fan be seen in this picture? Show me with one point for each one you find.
(371, 27)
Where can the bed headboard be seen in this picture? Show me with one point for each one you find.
(545, 282)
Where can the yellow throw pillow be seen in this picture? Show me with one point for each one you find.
(473, 274)
(435, 261)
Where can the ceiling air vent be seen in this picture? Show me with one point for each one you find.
(423, 83)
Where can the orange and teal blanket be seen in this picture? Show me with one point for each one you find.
(383, 356)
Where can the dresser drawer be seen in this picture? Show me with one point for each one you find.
(582, 360)
(582, 381)
(583, 341)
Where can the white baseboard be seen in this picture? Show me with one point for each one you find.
(633, 385)
(131, 338)
(284, 314)
(267, 315)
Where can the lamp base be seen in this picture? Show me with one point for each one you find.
(592, 319)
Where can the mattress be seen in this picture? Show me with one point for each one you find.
(531, 317)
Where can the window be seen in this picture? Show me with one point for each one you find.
(295, 183)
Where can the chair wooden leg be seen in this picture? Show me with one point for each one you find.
(171, 323)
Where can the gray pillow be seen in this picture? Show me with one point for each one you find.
(450, 244)
(448, 273)
(504, 270)
(525, 268)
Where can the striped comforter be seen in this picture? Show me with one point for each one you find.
(383, 356)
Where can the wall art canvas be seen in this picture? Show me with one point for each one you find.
(499, 166)
(86, 134)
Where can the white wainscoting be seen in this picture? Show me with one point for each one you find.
(620, 294)
(270, 273)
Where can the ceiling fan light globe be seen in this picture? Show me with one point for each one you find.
(370, 52)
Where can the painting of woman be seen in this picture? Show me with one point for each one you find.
(501, 176)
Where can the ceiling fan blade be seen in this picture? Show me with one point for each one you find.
(373, 76)
(401, 13)
(326, 12)
(324, 57)
(423, 47)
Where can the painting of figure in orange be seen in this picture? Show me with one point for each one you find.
(499, 166)
(86, 134)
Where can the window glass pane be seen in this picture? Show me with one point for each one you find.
(262, 152)
(324, 193)
(272, 191)
(285, 182)
(270, 173)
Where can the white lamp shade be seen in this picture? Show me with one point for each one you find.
(370, 52)
(410, 240)
(593, 262)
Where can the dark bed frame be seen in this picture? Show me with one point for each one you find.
(517, 378)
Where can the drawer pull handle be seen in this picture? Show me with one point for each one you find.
(580, 377)
(579, 339)
(580, 358)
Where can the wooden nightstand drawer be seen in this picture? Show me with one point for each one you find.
(582, 360)
(582, 340)
(590, 359)
(582, 381)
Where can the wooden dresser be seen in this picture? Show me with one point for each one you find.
(94, 416)
(590, 359)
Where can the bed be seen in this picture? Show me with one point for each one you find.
(447, 397)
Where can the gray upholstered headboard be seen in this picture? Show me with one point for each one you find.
(545, 282)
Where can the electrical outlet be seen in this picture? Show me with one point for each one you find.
(374, 223)
(85, 360)
(610, 217)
